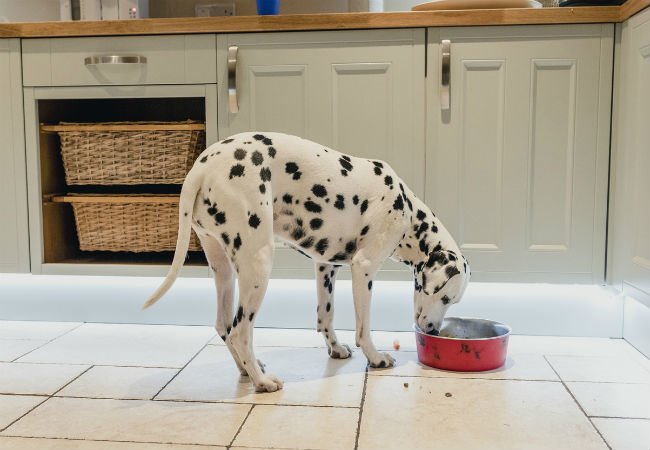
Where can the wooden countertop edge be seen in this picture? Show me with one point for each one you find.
(335, 21)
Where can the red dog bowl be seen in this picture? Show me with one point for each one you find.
(464, 345)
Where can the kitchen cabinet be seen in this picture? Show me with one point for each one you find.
(14, 239)
(360, 92)
(517, 164)
(630, 181)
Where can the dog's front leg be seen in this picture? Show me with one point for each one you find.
(363, 271)
(325, 278)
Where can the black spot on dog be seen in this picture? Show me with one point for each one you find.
(451, 271)
(272, 152)
(234, 322)
(328, 307)
(388, 180)
(254, 221)
(257, 158)
(355, 199)
(370, 285)
(364, 230)
(265, 174)
(378, 171)
(237, 242)
(344, 172)
(351, 246)
(319, 190)
(227, 141)
(421, 215)
(340, 256)
(240, 154)
(313, 207)
(220, 218)
(259, 137)
(236, 171)
(240, 313)
(262, 188)
(378, 164)
(345, 163)
(421, 229)
(315, 223)
(250, 317)
(445, 300)
(322, 245)
(340, 202)
(398, 204)
(226, 238)
(287, 198)
(298, 233)
(321, 269)
(364, 206)
(291, 167)
(307, 242)
(204, 159)
(424, 247)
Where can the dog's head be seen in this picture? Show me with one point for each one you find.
(439, 283)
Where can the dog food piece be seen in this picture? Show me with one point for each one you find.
(396, 344)
(406, 385)
(448, 394)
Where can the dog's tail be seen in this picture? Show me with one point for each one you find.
(189, 192)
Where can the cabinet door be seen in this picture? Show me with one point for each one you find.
(14, 247)
(517, 166)
(630, 207)
(360, 92)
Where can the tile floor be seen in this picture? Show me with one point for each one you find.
(72, 386)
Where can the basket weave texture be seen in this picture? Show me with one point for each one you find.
(128, 227)
(104, 157)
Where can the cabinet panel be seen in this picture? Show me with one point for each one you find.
(14, 246)
(530, 196)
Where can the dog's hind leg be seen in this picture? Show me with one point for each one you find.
(224, 278)
(325, 278)
(253, 281)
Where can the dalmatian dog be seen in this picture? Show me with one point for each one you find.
(335, 209)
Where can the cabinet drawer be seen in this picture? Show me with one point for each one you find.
(182, 59)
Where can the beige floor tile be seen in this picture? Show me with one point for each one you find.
(14, 406)
(613, 399)
(125, 345)
(517, 367)
(310, 377)
(624, 348)
(43, 379)
(119, 382)
(625, 434)
(11, 443)
(299, 427)
(557, 345)
(459, 414)
(132, 420)
(34, 330)
(11, 349)
(599, 369)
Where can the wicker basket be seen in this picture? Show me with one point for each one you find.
(128, 152)
(126, 223)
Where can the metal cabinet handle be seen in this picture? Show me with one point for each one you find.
(114, 59)
(232, 79)
(445, 75)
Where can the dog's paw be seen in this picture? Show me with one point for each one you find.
(268, 383)
(339, 351)
(382, 360)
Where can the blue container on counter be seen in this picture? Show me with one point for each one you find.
(268, 7)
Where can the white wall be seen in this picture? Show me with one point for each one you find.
(29, 10)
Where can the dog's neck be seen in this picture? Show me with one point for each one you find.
(423, 234)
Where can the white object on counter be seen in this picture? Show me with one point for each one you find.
(476, 4)
(65, 8)
(90, 10)
(110, 10)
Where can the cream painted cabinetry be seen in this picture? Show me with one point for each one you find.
(360, 92)
(629, 241)
(517, 165)
(14, 240)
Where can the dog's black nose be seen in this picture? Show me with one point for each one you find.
(431, 329)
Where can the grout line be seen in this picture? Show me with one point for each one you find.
(46, 399)
(363, 402)
(107, 440)
(575, 400)
(47, 342)
(618, 417)
(240, 427)
(467, 378)
(182, 368)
